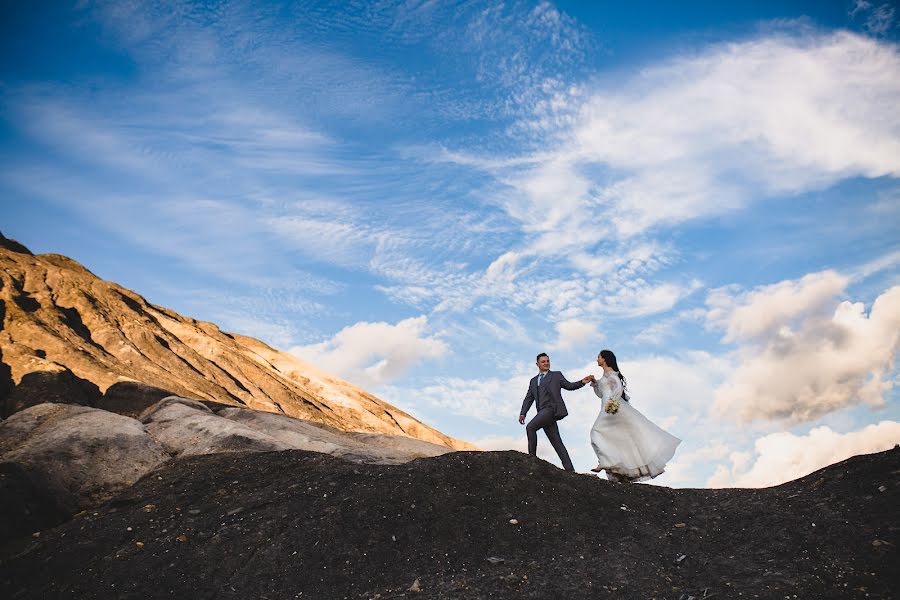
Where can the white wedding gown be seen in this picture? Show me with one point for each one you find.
(627, 443)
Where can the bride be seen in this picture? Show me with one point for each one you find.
(628, 446)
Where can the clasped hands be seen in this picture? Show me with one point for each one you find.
(589, 379)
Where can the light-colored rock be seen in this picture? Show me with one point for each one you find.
(82, 456)
(357, 447)
(186, 427)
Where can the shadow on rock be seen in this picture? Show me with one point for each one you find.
(60, 387)
(6, 380)
(131, 398)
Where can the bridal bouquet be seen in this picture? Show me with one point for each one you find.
(612, 407)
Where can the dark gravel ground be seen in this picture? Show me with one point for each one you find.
(305, 525)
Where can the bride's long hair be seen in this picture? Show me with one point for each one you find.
(610, 359)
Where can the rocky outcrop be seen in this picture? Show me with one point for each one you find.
(77, 455)
(131, 398)
(186, 427)
(57, 313)
(59, 386)
(77, 358)
(57, 459)
(356, 447)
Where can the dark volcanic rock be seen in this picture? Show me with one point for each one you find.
(131, 398)
(466, 525)
(38, 387)
(27, 503)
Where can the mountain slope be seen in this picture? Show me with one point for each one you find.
(57, 315)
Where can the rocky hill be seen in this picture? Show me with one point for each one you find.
(99, 387)
(466, 525)
(69, 336)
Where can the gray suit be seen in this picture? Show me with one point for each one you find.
(550, 409)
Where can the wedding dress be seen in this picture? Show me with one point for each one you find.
(627, 443)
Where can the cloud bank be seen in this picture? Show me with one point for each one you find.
(781, 457)
(803, 353)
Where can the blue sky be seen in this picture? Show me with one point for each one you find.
(421, 196)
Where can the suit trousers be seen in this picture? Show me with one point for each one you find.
(546, 420)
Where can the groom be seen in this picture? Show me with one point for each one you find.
(545, 389)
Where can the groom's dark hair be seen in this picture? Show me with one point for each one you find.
(540, 355)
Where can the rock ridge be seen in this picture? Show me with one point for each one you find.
(57, 316)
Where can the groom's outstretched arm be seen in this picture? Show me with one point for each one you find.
(568, 385)
(526, 404)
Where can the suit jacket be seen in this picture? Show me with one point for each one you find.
(549, 393)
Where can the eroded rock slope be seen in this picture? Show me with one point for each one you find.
(59, 319)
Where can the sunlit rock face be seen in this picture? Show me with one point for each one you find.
(81, 331)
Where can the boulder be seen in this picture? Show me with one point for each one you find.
(131, 398)
(59, 386)
(76, 455)
(186, 427)
(357, 447)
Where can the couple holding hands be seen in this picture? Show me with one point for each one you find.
(629, 446)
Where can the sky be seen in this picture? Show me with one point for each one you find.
(421, 196)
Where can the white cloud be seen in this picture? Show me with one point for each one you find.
(637, 297)
(550, 197)
(779, 114)
(878, 19)
(883, 262)
(656, 333)
(696, 136)
(491, 400)
(679, 470)
(799, 366)
(503, 442)
(705, 133)
(374, 353)
(781, 457)
(678, 385)
(327, 239)
(573, 333)
(769, 308)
